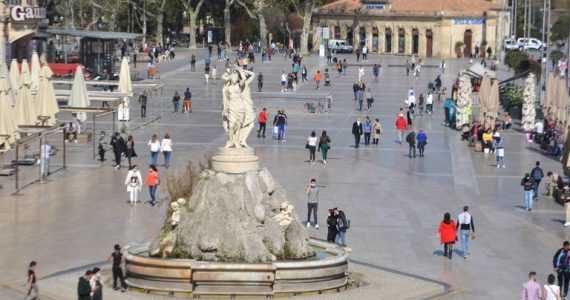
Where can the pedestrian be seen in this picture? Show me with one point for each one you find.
(421, 138)
(176, 101)
(369, 98)
(312, 146)
(152, 181)
(135, 59)
(361, 74)
(499, 147)
(117, 259)
(531, 289)
(401, 126)
(312, 193)
(342, 225)
(329, 56)
(193, 63)
(447, 234)
(376, 72)
(355, 88)
(31, 285)
(357, 52)
(133, 181)
(367, 130)
(357, 132)
(360, 94)
(421, 104)
(119, 147)
(551, 291)
(95, 283)
(154, 145)
(304, 74)
(324, 145)
(187, 103)
(143, 99)
(364, 53)
(528, 187)
(214, 74)
(45, 155)
(410, 116)
(442, 67)
(207, 74)
(339, 68)
(283, 81)
(280, 121)
(317, 78)
(411, 140)
(561, 264)
(331, 226)
(130, 149)
(259, 82)
(429, 103)
(262, 117)
(537, 174)
(327, 78)
(102, 147)
(166, 149)
(466, 227)
(376, 131)
(408, 67)
(344, 66)
(83, 287)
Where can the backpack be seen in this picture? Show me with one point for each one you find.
(537, 174)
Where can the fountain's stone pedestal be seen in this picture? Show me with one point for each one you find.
(235, 160)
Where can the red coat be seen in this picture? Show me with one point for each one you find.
(447, 232)
(401, 123)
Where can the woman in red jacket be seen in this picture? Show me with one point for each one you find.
(447, 234)
(401, 126)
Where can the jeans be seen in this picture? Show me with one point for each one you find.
(367, 138)
(44, 166)
(528, 198)
(465, 241)
(166, 155)
(117, 158)
(152, 190)
(360, 104)
(421, 148)
(118, 273)
(340, 238)
(400, 136)
(176, 106)
(312, 207)
(563, 279)
(412, 150)
(153, 158)
(501, 161)
(281, 131)
(261, 130)
(535, 190)
(312, 153)
(356, 140)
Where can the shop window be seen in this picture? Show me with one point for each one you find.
(401, 40)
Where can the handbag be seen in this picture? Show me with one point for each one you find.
(307, 145)
(377, 131)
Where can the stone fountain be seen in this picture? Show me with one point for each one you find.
(237, 234)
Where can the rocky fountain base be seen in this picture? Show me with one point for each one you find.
(235, 235)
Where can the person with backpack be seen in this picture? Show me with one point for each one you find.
(528, 186)
(134, 184)
(331, 225)
(411, 140)
(561, 264)
(342, 225)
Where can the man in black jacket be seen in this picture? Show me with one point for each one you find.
(563, 275)
(83, 287)
(357, 132)
(411, 140)
(537, 174)
(341, 225)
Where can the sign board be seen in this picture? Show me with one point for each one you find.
(375, 6)
(468, 21)
(20, 13)
(209, 36)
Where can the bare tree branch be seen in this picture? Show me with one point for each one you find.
(247, 9)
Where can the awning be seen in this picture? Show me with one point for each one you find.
(101, 35)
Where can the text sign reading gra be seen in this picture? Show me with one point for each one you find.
(19, 13)
(375, 6)
(468, 21)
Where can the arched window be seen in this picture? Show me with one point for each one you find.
(429, 43)
(467, 39)
(375, 40)
(337, 32)
(415, 41)
(388, 40)
(401, 40)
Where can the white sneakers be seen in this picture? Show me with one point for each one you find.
(308, 224)
(566, 224)
(316, 226)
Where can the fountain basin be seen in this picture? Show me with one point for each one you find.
(328, 271)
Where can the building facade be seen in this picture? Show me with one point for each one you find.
(21, 20)
(424, 28)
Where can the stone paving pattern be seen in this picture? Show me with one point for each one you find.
(395, 203)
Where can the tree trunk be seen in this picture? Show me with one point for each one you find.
(262, 28)
(112, 21)
(306, 27)
(159, 30)
(192, 42)
(227, 23)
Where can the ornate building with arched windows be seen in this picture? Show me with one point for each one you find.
(425, 28)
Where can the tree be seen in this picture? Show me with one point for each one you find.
(559, 30)
(228, 22)
(193, 8)
(255, 10)
(464, 100)
(528, 109)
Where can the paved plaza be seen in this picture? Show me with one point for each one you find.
(394, 203)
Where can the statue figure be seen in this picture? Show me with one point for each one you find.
(238, 114)
(285, 215)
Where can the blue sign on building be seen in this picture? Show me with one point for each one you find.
(468, 21)
(375, 6)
